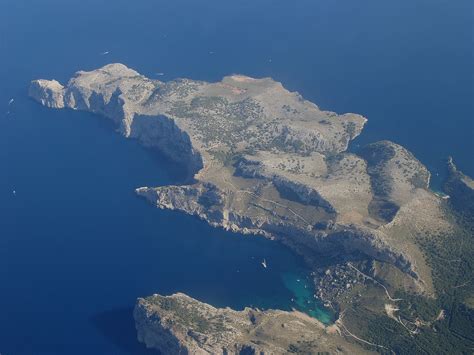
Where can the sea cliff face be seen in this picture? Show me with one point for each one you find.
(262, 160)
(87, 92)
(49, 93)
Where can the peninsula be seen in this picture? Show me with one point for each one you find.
(263, 160)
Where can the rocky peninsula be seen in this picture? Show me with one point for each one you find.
(178, 324)
(263, 160)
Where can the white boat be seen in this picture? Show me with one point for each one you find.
(264, 263)
(160, 74)
(105, 53)
(11, 101)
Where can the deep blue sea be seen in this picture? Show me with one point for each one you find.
(77, 247)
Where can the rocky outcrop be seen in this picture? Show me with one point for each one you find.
(179, 324)
(49, 93)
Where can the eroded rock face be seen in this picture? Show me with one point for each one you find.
(179, 324)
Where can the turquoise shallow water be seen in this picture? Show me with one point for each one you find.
(302, 288)
(77, 246)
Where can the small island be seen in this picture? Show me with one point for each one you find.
(263, 160)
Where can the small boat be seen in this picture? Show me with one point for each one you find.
(160, 74)
(297, 280)
(105, 53)
(11, 101)
(14, 192)
(264, 263)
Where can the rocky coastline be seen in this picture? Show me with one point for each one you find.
(262, 160)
